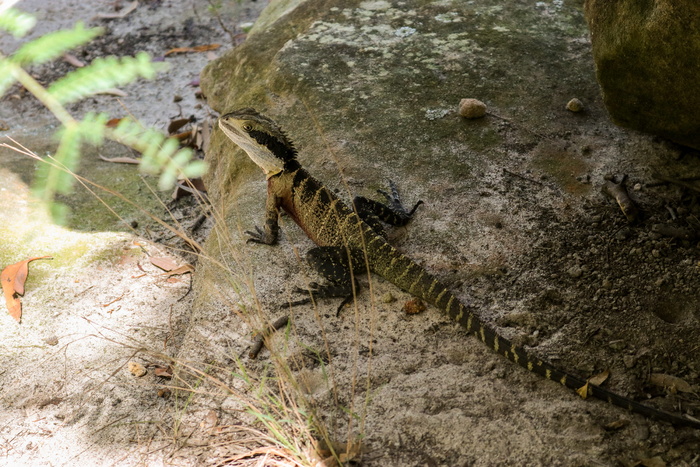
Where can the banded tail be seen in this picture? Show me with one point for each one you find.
(417, 281)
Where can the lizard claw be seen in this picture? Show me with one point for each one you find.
(394, 201)
(259, 236)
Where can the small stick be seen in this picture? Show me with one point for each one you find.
(259, 340)
(522, 177)
(618, 192)
(678, 182)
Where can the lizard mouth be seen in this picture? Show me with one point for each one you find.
(261, 155)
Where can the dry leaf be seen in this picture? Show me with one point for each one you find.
(166, 264)
(210, 420)
(182, 136)
(184, 269)
(596, 380)
(583, 391)
(670, 383)
(599, 378)
(177, 124)
(121, 160)
(113, 92)
(163, 372)
(73, 60)
(13, 278)
(199, 48)
(120, 14)
(113, 122)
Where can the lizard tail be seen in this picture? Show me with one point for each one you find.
(457, 311)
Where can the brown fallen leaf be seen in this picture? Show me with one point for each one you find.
(120, 14)
(166, 264)
(596, 380)
(73, 60)
(177, 124)
(163, 372)
(199, 48)
(113, 92)
(121, 160)
(671, 384)
(600, 378)
(184, 269)
(113, 122)
(13, 278)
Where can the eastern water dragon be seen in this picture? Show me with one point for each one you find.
(352, 241)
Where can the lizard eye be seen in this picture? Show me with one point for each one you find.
(247, 127)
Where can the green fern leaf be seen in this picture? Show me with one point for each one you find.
(195, 169)
(16, 22)
(53, 176)
(103, 74)
(92, 128)
(6, 76)
(53, 45)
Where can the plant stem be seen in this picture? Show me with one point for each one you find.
(42, 95)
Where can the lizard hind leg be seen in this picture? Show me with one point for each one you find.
(392, 212)
(338, 267)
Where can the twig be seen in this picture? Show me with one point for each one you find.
(522, 177)
(679, 182)
(259, 340)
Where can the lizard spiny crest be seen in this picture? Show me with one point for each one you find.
(266, 144)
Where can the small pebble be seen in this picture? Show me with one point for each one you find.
(472, 108)
(136, 369)
(388, 298)
(575, 272)
(414, 306)
(574, 105)
(51, 340)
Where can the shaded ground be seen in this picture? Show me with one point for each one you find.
(536, 249)
(67, 396)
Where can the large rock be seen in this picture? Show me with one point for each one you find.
(369, 91)
(647, 60)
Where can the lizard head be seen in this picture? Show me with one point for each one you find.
(260, 137)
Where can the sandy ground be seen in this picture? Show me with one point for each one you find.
(67, 395)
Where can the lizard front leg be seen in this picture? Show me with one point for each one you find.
(268, 236)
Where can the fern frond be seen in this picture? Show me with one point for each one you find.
(92, 128)
(16, 22)
(159, 155)
(53, 176)
(103, 74)
(54, 44)
(6, 76)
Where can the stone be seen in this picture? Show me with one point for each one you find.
(472, 108)
(574, 105)
(646, 57)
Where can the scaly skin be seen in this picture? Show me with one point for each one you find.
(353, 239)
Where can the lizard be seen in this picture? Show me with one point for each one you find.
(351, 241)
